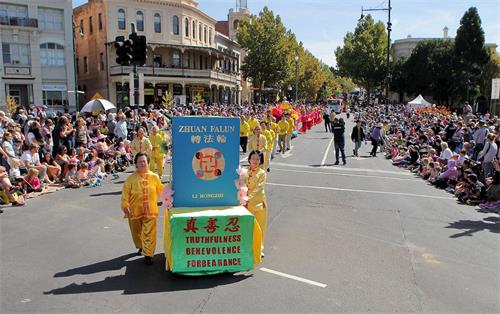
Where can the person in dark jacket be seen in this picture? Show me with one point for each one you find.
(357, 136)
(338, 129)
(376, 138)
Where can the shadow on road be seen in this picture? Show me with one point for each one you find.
(106, 193)
(139, 278)
(491, 224)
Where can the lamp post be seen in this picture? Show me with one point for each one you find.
(76, 91)
(389, 29)
(296, 77)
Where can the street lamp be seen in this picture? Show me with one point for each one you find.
(74, 27)
(389, 29)
(296, 77)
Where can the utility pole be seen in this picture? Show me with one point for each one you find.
(133, 36)
(389, 29)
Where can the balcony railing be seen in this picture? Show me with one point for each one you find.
(177, 72)
(19, 21)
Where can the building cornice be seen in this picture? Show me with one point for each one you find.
(178, 5)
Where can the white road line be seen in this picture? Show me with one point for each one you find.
(362, 191)
(309, 282)
(345, 174)
(402, 173)
(326, 152)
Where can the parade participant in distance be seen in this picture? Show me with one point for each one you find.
(338, 139)
(283, 128)
(244, 133)
(376, 138)
(141, 144)
(256, 181)
(259, 142)
(357, 136)
(156, 138)
(291, 128)
(139, 203)
(268, 133)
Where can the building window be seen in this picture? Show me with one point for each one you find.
(52, 54)
(91, 27)
(54, 98)
(186, 27)
(205, 34)
(99, 21)
(121, 19)
(157, 22)
(157, 60)
(101, 61)
(210, 36)
(85, 65)
(15, 54)
(77, 67)
(201, 62)
(176, 59)
(12, 10)
(194, 30)
(175, 25)
(51, 19)
(81, 27)
(199, 33)
(139, 21)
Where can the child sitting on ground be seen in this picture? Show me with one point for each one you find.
(83, 174)
(32, 182)
(15, 171)
(71, 177)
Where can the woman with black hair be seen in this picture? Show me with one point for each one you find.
(256, 181)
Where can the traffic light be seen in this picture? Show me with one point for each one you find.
(123, 51)
(140, 50)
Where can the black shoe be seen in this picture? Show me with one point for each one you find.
(343, 163)
(139, 252)
(336, 163)
(1, 211)
(268, 169)
(148, 260)
(354, 152)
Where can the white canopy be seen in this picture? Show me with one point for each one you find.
(97, 105)
(419, 102)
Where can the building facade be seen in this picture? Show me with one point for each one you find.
(37, 54)
(183, 56)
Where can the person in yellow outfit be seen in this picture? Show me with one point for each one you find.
(139, 204)
(256, 181)
(276, 129)
(269, 134)
(258, 142)
(141, 144)
(252, 123)
(156, 139)
(291, 128)
(244, 133)
(283, 128)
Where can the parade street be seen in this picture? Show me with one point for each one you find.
(365, 237)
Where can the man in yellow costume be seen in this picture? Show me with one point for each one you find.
(269, 134)
(139, 204)
(244, 133)
(256, 182)
(156, 138)
(291, 128)
(141, 144)
(283, 129)
(252, 123)
(259, 143)
(276, 129)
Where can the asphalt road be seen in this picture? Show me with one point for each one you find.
(368, 236)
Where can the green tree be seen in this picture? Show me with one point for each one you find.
(265, 38)
(399, 77)
(470, 52)
(363, 56)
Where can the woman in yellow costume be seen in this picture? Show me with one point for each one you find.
(259, 142)
(156, 138)
(256, 181)
(139, 204)
(141, 144)
(269, 134)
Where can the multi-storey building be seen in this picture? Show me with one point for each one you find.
(37, 53)
(183, 56)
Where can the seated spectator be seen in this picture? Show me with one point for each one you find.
(31, 159)
(53, 169)
(71, 177)
(31, 182)
(9, 190)
(62, 159)
(83, 174)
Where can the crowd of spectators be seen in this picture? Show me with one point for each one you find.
(456, 152)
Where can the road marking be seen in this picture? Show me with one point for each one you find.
(344, 169)
(326, 152)
(362, 191)
(346, 175)
(309, 282)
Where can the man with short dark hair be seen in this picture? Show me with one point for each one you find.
(338, 129)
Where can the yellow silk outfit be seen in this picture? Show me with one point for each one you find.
(257, 202)
(269, 134)
(244, 134)
(260, 144)
(291, 128)
(252, 123)
(276, 129)
(283, 129)
(141, 146)
(156, 158)
(139, 194)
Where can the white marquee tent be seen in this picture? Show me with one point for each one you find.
(419, 102)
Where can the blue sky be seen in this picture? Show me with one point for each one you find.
(322, 24)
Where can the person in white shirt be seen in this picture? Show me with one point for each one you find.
(31, 159)
(446, 153)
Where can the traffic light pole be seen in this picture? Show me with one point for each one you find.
(136, 75)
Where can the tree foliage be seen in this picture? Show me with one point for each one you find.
(363, 56)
